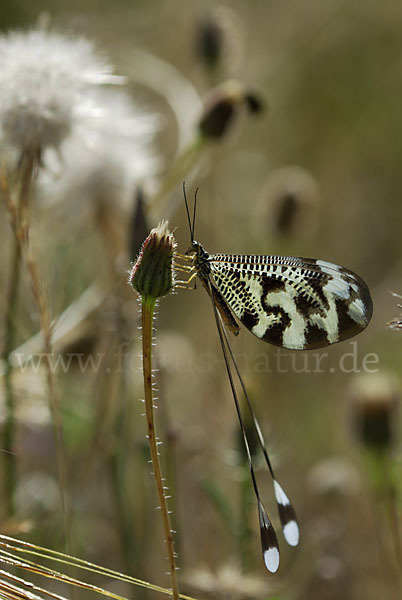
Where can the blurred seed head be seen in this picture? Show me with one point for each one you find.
(104, 165)
(374, 409)
(209, 43)
(176, 353)
(330, 567)
(334, 476)
(44, 82)
(222, 107)
(152, 274)
(219, 40)
(289, 203)
(253, 102)
(228, 581)
(29, 386)
(37, 493)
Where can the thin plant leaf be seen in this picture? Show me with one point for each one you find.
(9, 545)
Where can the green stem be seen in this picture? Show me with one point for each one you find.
(148, 306)
(9, 340)
(27, 170)
(53, 396)
(176, 174)
(122, 518)
(391, 509)
(19, 215)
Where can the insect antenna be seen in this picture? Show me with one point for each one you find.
(287, 514)
(191, 222)
(195, 210)
(269, 541)
(188, 213)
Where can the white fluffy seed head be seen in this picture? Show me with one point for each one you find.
(102, 164)
(44, 78)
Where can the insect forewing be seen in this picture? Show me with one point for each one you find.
(296, 303)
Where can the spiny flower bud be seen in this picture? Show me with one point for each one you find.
(222, 107)
(374, 403)
(152, 274)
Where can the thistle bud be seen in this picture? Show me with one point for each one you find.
(374, 404)
(223, 106)
(152, 274)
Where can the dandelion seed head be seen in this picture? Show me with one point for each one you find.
(44, 78)
(107, 158)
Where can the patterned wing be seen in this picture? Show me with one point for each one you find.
(296, 303)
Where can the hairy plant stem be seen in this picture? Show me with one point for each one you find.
(19, 216)
(148, 307)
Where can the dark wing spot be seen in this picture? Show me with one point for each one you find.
(315, 337)
(274, 334)
(249, 319)
(364, 294)
(318, 299)
(347, 326)
(271, 284)
(303, 304)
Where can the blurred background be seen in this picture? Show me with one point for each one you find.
(308, 165)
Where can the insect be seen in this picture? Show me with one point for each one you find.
(295, 303)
